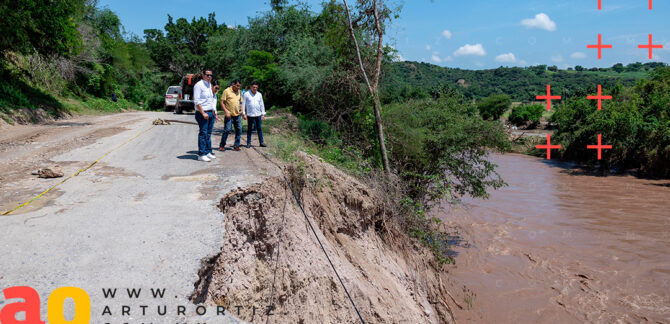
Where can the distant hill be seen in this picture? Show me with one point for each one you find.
(414, 79)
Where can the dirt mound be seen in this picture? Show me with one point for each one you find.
(391, 279)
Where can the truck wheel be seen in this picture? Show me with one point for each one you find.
(177, 109)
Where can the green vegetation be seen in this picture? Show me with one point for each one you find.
(16, 93)
(494, 106)
(402, 80)
(71, 51)
(313, 137)
(440, 147)
(47, 27)
(437, 136)
(636, 122)
(527, 115)
(437, 148)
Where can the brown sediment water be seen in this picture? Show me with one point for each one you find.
(559, 245)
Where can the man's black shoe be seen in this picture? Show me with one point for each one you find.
(263, 145)
(248, 145)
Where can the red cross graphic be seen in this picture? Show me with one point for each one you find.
(599, 97)
(548, 97)
(549, 147)
(599, 46)
(600, 4)
(599, 147)
(650, 47)
(650, 4)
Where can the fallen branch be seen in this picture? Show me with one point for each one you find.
(518, 138)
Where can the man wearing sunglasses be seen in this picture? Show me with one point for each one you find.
(205, 115)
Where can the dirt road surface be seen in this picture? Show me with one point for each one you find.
(143, 217)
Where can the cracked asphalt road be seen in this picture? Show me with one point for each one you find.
(143, 217)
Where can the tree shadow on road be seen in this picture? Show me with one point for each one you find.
(69, 124)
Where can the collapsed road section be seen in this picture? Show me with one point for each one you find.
(270, 258)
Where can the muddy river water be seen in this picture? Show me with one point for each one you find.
(561, 246)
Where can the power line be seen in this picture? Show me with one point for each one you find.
(314, 232)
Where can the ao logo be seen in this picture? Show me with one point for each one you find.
(31, 306)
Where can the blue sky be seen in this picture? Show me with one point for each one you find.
(473, 34)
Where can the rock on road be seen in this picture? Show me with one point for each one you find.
(143, 217)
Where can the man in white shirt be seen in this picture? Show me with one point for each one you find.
(205, 106)
(253, 110)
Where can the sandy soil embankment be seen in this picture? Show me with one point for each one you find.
(391, 279)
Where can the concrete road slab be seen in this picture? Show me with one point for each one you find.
(144, 217)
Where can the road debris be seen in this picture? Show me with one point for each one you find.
(51, 172)
(159, 121)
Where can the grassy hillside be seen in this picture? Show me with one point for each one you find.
(414, 79)
(24, 101)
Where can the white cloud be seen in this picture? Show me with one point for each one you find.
(541, 21)
(468, 49)
(437, 59)
(557, 58)
(427, 47)
(446, 34)
(506, 58)
(523, 62)
(578, 55)
(399, 58)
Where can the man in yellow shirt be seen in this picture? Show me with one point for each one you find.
(230, 102)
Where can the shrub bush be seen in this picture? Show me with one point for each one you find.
(317, 131)
(16, 93)
(439, 147)
(526, 115)
(154, 102)
(492, 107)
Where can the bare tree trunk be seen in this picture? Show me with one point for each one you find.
(380, 51)
(373, 87)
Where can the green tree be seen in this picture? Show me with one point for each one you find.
(618, 68)
(634, 67)
(494, 106)
(47, 27)
(538, 69)
(440, 146)
(636, 122)
(376, 14)
(183, 46)
(579, 68)
(261, 66)
(526, 114)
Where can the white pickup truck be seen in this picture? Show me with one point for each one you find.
(171, 97)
